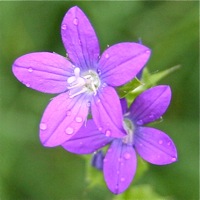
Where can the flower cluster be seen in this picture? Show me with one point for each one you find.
(85, 82)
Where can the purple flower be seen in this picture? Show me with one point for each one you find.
(151, 144)
(85, 80)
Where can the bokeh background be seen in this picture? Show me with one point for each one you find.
(170, 28)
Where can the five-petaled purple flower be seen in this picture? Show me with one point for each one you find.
(151, 144)
(85, 80)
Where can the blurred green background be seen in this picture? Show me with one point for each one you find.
(171, 29)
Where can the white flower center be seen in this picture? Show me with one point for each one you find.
(87, 82)
(129, 128)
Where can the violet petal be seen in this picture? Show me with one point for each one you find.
(124, 105)
(43, 71)
(107, 113)
(151, 104)
(121, 62)
(87, 140)
(154, 146)
(79, 39)
(62, 118)
(119, 166)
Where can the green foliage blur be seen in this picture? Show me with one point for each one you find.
(29, 171)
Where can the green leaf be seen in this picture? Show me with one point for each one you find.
(129, 87)
(150, 80)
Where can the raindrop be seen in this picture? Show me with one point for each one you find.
(107, 55)
(119, 159)
(64, 26)
(75, 21)
(127, 156)
(79, 119)
(99, 71)
(98, 101)
(104, 85)
(80, 143)
(28, 85)
(108, 133)
(117, 171)
(105, 160)
(140, 122)
(160, 142)
(173, 159)
(100, 128)
(148, 51)
(43, 126)
(69, 130)
(151, 116)
(30, 70)
(169, 143)
(122, 179)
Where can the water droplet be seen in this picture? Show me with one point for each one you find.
(64, 26)
(75, 21)
(173, 159)
(98, 101)
(28, 85)
(127, 156)
(108, 133)
(104, 85)
(30, 70)
(117, 171)
(99, 71)
(105, 160)
(69, 130)
(141, 144)
(88, 104)
(43, 126)
(107, 55)
(100, 128)
(122, 179)
(151, 116)
(160, 142)
(119, 159)
(80, 143)
(140, 122)
(79, 119)
(169, 143)
(148, 51)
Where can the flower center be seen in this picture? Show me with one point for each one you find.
(88, 82)
(129, 128)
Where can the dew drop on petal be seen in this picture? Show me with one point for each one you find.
(173, 159)
(75, 21)
(30, 70)
(105, 160)
(122, 179)
(99, 71)
(107, 55)
(69, 130)
(28, 85)
(160, 142)
(117, 171)
(109, 150)
(140, 122)
(88, 104)
(43, 126)
(79, 119)
(169, 143)
(127, 156)
(108, 133)
(64, 26)
(148, 51)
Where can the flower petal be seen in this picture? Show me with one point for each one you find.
(150, 105)
(154, 146)
(62, 118)
(43, 71)
(79, 39)
(119, 166)
(87, 140)
(124, 105)
(121, 62)
(107, 112)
